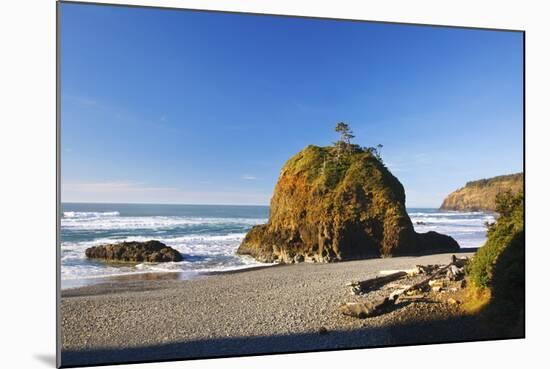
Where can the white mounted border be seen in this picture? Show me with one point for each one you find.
(28, 185)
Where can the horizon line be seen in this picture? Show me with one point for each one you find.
(154, 203)
(196, 204)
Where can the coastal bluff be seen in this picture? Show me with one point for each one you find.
(328, 206)
(480, 195)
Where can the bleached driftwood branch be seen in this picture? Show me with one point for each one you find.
(367, 309)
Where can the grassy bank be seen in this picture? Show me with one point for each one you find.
(497, 271)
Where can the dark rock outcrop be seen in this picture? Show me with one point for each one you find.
(150, 251)
(325, 209)
(480, 195)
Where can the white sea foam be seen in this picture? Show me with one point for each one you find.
(449, 229)
(152, 222)
(89, 214)
(458, 222)
(467, 228)
(448, 213)
(201, 253)
(208, 244)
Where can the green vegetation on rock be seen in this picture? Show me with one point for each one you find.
(503, 236)
(337, 203)
(482, 194)
(499, 266)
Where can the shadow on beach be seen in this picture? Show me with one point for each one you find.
(458, 329)
(423, 324)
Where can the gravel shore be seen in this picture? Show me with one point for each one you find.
(285, 308)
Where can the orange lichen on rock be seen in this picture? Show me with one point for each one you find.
(328, 209)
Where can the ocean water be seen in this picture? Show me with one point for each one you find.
(467, 228)
(206, 235)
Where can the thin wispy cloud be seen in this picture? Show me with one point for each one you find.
(82, 100)
(136, 192)
(401, 165)
(118, 114)
(111, 187)
(395, 168)
(189, 134)
(422, 158)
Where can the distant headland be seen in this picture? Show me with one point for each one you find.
(480, 195)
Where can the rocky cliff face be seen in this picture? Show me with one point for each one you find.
(326, 209)
(480, 195)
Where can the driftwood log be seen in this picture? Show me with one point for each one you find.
(367, 309)
(411, 272)
(423, 283)
(364, 310)
(363, 287)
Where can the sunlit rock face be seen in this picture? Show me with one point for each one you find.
(329, 207)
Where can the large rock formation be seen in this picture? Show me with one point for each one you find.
(150, 251)
(480, 195)
(328, 209)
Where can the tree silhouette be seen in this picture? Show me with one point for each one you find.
(344, 143)
(346, 134)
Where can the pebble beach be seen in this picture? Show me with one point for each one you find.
(286, 308)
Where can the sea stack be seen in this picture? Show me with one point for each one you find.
(133, 251)
(480, 195)
(338, 203)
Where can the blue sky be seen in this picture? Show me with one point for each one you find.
(162, 106)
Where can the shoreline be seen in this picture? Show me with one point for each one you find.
(290, 308)
(189, 275)
(154, 275)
